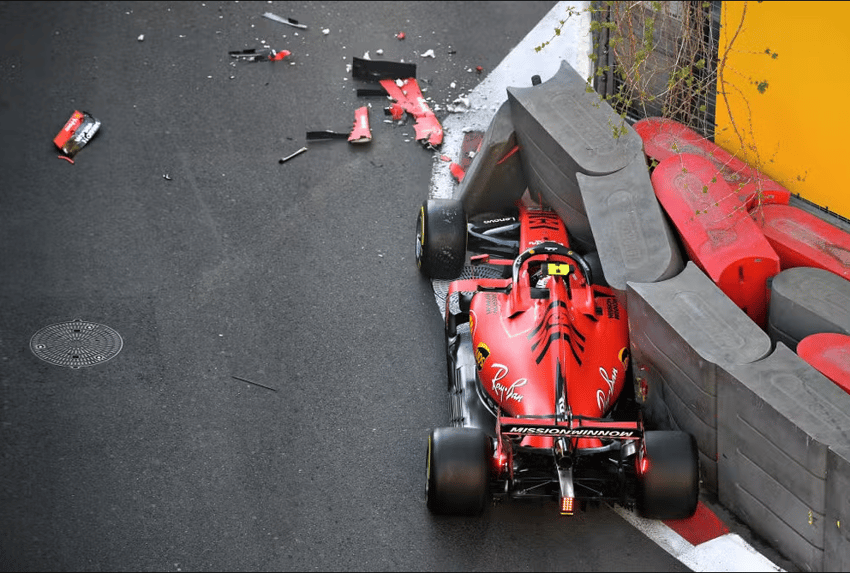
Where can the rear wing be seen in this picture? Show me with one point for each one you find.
(575, 427)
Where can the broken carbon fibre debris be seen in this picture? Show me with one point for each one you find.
(288, 21)
(76, 133)
(360, 131)
(259, 54)
(409, 98)
(323, 135)
(371, 92)
(381, 70)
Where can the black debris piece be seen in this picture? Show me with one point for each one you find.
(324, 135)
(371, 92)
(382, 70)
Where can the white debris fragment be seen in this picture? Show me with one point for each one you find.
(287, 21)
(460, 104)
(326, 31)
(379, 52)
(141, 38)
(428, 54)
(366, 56)
(453, 85)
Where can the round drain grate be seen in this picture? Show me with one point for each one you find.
(76, 344)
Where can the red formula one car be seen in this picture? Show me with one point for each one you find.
(542, 399)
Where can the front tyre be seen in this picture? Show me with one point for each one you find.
(669, 488)
(458, 471)
(441, 238)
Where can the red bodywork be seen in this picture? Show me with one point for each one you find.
(534, 349)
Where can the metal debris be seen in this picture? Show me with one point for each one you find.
(291, 155)
(254, 383)
(287, 21)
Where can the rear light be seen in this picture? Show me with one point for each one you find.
(501, 459)
(500, 462)
(643, 465)
(568, 505)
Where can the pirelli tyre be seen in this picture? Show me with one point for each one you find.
(669, 486)
(458, 472)
(441, 238)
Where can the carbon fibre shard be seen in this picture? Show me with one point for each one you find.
(381, 70)
(259, 55)
(324, 135)
(360, 132)
(407, 94)
(76, 133)
(288, 21)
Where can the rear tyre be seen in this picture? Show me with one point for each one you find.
(441, 238)
(670, 487)
(458, 474)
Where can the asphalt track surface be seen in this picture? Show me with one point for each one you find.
(281, 358)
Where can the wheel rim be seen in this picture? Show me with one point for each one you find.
(420, 241)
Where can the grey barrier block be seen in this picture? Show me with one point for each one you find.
(776, 419)
(564, 129)
(632, 236)
(836, 535)
(494, 180)
(807, 300)
(680, 330)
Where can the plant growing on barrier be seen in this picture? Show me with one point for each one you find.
(661, 59)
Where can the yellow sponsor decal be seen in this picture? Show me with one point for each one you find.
(624, 356)
(481, 354)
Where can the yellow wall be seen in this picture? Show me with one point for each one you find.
(799, 125)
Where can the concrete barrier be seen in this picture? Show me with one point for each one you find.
(563, 129)
(836, 531)
(807, 300)
(632, 236)
(776, 421)
(494, 180)
(681, 330)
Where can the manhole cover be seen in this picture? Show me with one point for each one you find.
(76, 344)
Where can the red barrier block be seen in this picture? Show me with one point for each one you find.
(802, 239)
(663, 138)
(829, 353)
(717, 232)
